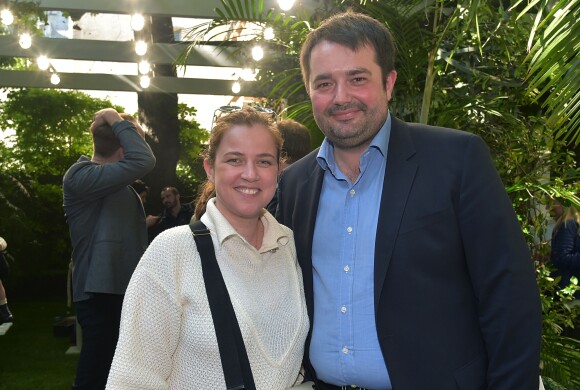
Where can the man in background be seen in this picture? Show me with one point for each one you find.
(108, 235)
(174, 214)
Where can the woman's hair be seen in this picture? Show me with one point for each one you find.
(247, 116)
(570, 213)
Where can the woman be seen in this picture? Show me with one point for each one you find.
(167, 337)
(566, 243)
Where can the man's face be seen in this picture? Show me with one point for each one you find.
(349, 99)
(169, 199)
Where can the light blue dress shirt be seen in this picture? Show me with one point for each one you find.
(345, 348)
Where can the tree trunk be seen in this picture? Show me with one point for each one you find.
(158, 112)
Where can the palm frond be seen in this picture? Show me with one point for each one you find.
(554, 63)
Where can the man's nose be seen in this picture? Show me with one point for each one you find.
(341, 94)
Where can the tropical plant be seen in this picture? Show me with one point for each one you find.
(554, 43)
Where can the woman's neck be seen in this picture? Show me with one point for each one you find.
(252, 231)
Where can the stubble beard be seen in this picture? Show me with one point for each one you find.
(350, 136)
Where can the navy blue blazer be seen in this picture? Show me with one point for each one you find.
(456, 301)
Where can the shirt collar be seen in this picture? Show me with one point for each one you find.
(325, 156)
(274, 234)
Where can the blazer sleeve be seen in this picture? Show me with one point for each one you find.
(94, 181)
(502, 273)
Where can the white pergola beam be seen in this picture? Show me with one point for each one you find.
(204, 9)
(127, 83)
(96, 50)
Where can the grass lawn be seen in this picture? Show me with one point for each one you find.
(31, 356)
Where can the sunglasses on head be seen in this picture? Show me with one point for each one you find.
(224, 110)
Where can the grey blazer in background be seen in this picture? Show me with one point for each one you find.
(106, 217)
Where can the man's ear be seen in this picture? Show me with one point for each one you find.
(209, 171)
(390, 84)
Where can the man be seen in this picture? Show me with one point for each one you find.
(416, 272)
(108, 234)
(174, 214)
(296, 145)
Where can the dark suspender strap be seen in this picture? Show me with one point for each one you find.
(234, 357)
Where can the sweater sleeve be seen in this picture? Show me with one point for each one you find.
(565, 251)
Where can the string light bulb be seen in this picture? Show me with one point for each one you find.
(54, 79)
(144, 67)
(141, 48)
(236, 87)
(25, 41)
(286, 5)
(6, 17)
(137, 22)
(144, 81)
(43, 62)
(257, 53)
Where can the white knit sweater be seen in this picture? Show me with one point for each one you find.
(167, 338)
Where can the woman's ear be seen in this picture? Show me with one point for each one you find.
(209, 171)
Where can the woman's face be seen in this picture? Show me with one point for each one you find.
(244, 172)
(556, 209)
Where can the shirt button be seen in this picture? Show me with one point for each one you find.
(343, 309)
(349, 229)
(345, 350)
(346, 268)
(352, 192)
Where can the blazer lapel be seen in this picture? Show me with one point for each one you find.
(399, 176)
(304, 228)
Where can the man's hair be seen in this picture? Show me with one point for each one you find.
(105, 143)
(172, 189)
(139, 186)
(296, 140)
(353, 30)
(129, 117)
